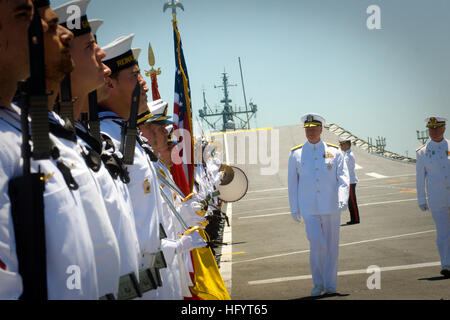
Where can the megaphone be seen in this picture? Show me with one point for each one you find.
(234, 184)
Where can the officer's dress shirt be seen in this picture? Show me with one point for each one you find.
(318, 180)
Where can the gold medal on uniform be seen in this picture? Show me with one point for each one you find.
(147, 187)
(330, 167)
(47, 176)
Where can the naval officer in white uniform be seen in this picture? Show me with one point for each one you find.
(318, 184)
(433, 184)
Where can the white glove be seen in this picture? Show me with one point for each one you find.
(188, 211)
(296, 216)
(342, 206)
(213, 167)
(189, 242)
(217, 179)
(423, 207)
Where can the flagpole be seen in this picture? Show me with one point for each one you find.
(153, 73)
(185, 94)
(174, 5)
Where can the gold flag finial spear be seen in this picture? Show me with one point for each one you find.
(151, 62)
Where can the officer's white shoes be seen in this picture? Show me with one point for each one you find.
(317, 291)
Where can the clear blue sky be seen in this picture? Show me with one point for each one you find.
(303, 56)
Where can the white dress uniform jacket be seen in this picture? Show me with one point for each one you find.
(144, 194)
(120, 211)
(318, 179)
(318, 184)
(68, 241)
(433, 180)
(433, 174)
(106, 247)
(350, 161)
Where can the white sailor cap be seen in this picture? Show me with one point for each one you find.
(95, 25)
(119, 55)
(435, 122)
(72, 15)
(136, 53)
(156, 113)
(343, 140)
(312, 120)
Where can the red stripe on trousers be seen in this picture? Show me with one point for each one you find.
(353, 202)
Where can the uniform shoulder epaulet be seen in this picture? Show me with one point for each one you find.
(332, 145)
(421, 147)
(297, 147)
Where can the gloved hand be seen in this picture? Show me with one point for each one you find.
(189, 242)
(342, 206)
(191, 212)
(217, 180)
(213, 166)
(296, 216)
(423, 207)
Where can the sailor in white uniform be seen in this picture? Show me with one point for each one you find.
(115, 99)
(69, 248)
(433, 185)
(318, 186)
(68, 240)
(85, 163)
(87, 77)
(152, 123)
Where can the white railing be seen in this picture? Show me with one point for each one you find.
(364, 145)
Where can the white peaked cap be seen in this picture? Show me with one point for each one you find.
(311, 118)
(158, 107)
(439, 119)
(169, 128)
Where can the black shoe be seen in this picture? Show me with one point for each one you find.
(445, 273)
(352, 222)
